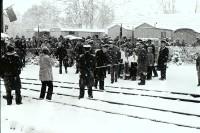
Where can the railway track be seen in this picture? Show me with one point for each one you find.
(111, 112)
(191, 100)
(128, 88)
(120, 103)
(116, 103)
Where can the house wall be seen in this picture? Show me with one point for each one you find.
(152, 33)
(114, 31)
(189, 38)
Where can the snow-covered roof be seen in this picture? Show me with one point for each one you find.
(164, 21)
(145, 39)
(125, 26)
(83, 30)
(41, 29)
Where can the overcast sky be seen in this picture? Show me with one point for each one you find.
(144, 6)
(137, 11)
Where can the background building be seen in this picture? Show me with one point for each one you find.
(148, 31)
(186, 36)
(114, 31)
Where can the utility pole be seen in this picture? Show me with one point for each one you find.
(196, 7)
(133, 36)
(1, 16)
(1, 45)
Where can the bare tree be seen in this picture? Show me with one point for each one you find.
(105, 15)
(73, 13)
(89, 12)
(168, 6)
(196, 6)
(46, 14)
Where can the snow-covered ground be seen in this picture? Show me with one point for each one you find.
(124, 107)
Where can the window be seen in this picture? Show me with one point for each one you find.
(71, 32)
(163, 35)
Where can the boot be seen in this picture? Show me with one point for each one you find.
(142, 82)
(9, 98)
(90, 92)
(18, 100)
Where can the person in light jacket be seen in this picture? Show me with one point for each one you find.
(45, 74)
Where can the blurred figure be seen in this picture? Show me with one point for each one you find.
(46, 44)
(78, 51)
(20, 45)
(133, 66)
(113, 56)
(198, 68)
(162, 59)
(150, 44)
(150, 62)
(11, 69)
(61, 54)
(45, 73)
(142, 63)
(100, 71)
(86, 67)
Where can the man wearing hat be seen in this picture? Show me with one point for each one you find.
(61, 54)
(162, 59)
(86, 67)
(113, 57)
(101, 62)
(11, 69)
(78, 51)
(150, 44)
(142, 63)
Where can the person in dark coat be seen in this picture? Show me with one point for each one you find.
(78, 51)
(20, 45)
(11, 70)
(86, 67)
(61, 54)
(113, 58)
(198, 68)
(162, 59)
(100, 71)
(150, 44)
(142, 64)
(46, 74)
(150, 62)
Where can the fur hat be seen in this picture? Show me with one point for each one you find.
(10, 48)
(45, 50)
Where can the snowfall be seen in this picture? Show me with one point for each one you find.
(123, 107)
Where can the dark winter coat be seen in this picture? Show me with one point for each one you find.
(61, 53)
(198, 63)
(20, 48)
(11, 64)
(79, 50)
(87, 65)
(163, 56)
(114, 56)
(142, 61)
(100, 60)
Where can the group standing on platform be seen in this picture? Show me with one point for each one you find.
(93, 58)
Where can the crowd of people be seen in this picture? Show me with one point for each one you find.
(94, 59)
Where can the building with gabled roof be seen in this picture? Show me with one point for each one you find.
(186, 36)
(148, 31)
(114, 31)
